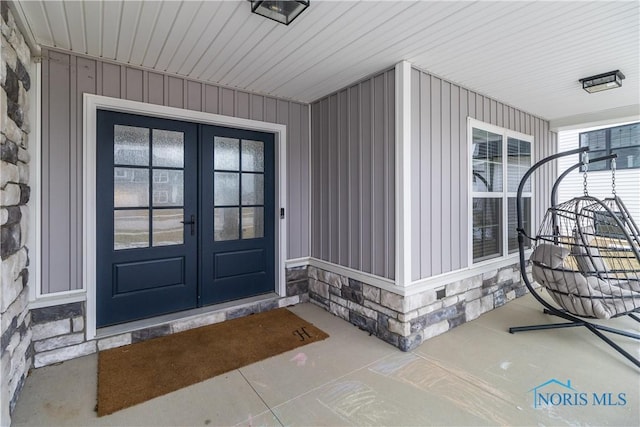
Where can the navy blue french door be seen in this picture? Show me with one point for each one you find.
(237, 200)
(185, 216)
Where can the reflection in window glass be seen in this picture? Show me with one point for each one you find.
(167, 228)
(226, 188)
(487, 161)
(487, 176)
(621, 140)
(628, 158)
(130, 187)
(226, 154)
(513, 222)
(252, 223)
(168, 148)
(518, 162)
(131, 229)
(252, 156)
(168, 187)
(226, 224)
(487, 228)
(130, 146)
(252, 189)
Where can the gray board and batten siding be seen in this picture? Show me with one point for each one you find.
(65, 77)
(440, 159)
(353, 176)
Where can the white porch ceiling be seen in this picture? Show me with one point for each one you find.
(527, 54)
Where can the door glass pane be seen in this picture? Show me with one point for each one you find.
(131, 229)
(226, 224)
(226, 188)
(226, 154)
(252, 156)
(168, 187)
(252, 223)
(168, 148)
(130, 145)
(252, 189)
(130, 187)
(167, 228)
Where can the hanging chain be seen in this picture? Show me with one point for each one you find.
(585, 162)
(613, 177)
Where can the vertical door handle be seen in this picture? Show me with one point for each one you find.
(192, 223)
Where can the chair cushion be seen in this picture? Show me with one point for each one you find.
(550, 255)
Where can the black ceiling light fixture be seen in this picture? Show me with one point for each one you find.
(283, 11)
(604, 81)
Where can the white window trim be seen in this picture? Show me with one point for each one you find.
(505, 194)
(608, 149)
(91, 105)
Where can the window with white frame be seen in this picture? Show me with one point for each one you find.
(621, 140)
(499, 159)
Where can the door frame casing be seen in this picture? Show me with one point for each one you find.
(93, 103)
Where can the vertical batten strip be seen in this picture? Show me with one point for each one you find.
(75, 199)
(403, 173)
(464, 178)
(372, 168)
(424, 215)
(386, 270)
(435, 168)
(360, 177)
(415, 163)
(349, 207)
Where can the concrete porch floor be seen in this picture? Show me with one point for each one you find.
(475, 374)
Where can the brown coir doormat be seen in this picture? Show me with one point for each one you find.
(138, 372)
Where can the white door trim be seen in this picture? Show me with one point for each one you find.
(93, 103)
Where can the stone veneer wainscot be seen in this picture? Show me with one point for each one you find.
(15, 82)
(408, 321)
(59, 331)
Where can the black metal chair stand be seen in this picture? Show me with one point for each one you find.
(587, 256)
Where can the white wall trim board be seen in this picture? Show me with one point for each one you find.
(497, 129)
(297, 262)
(421, 285)
(34, 241)
(59, 298)
(94, 102)
(310, 231)
(403, 174)
(368, 278)
(436, 282)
